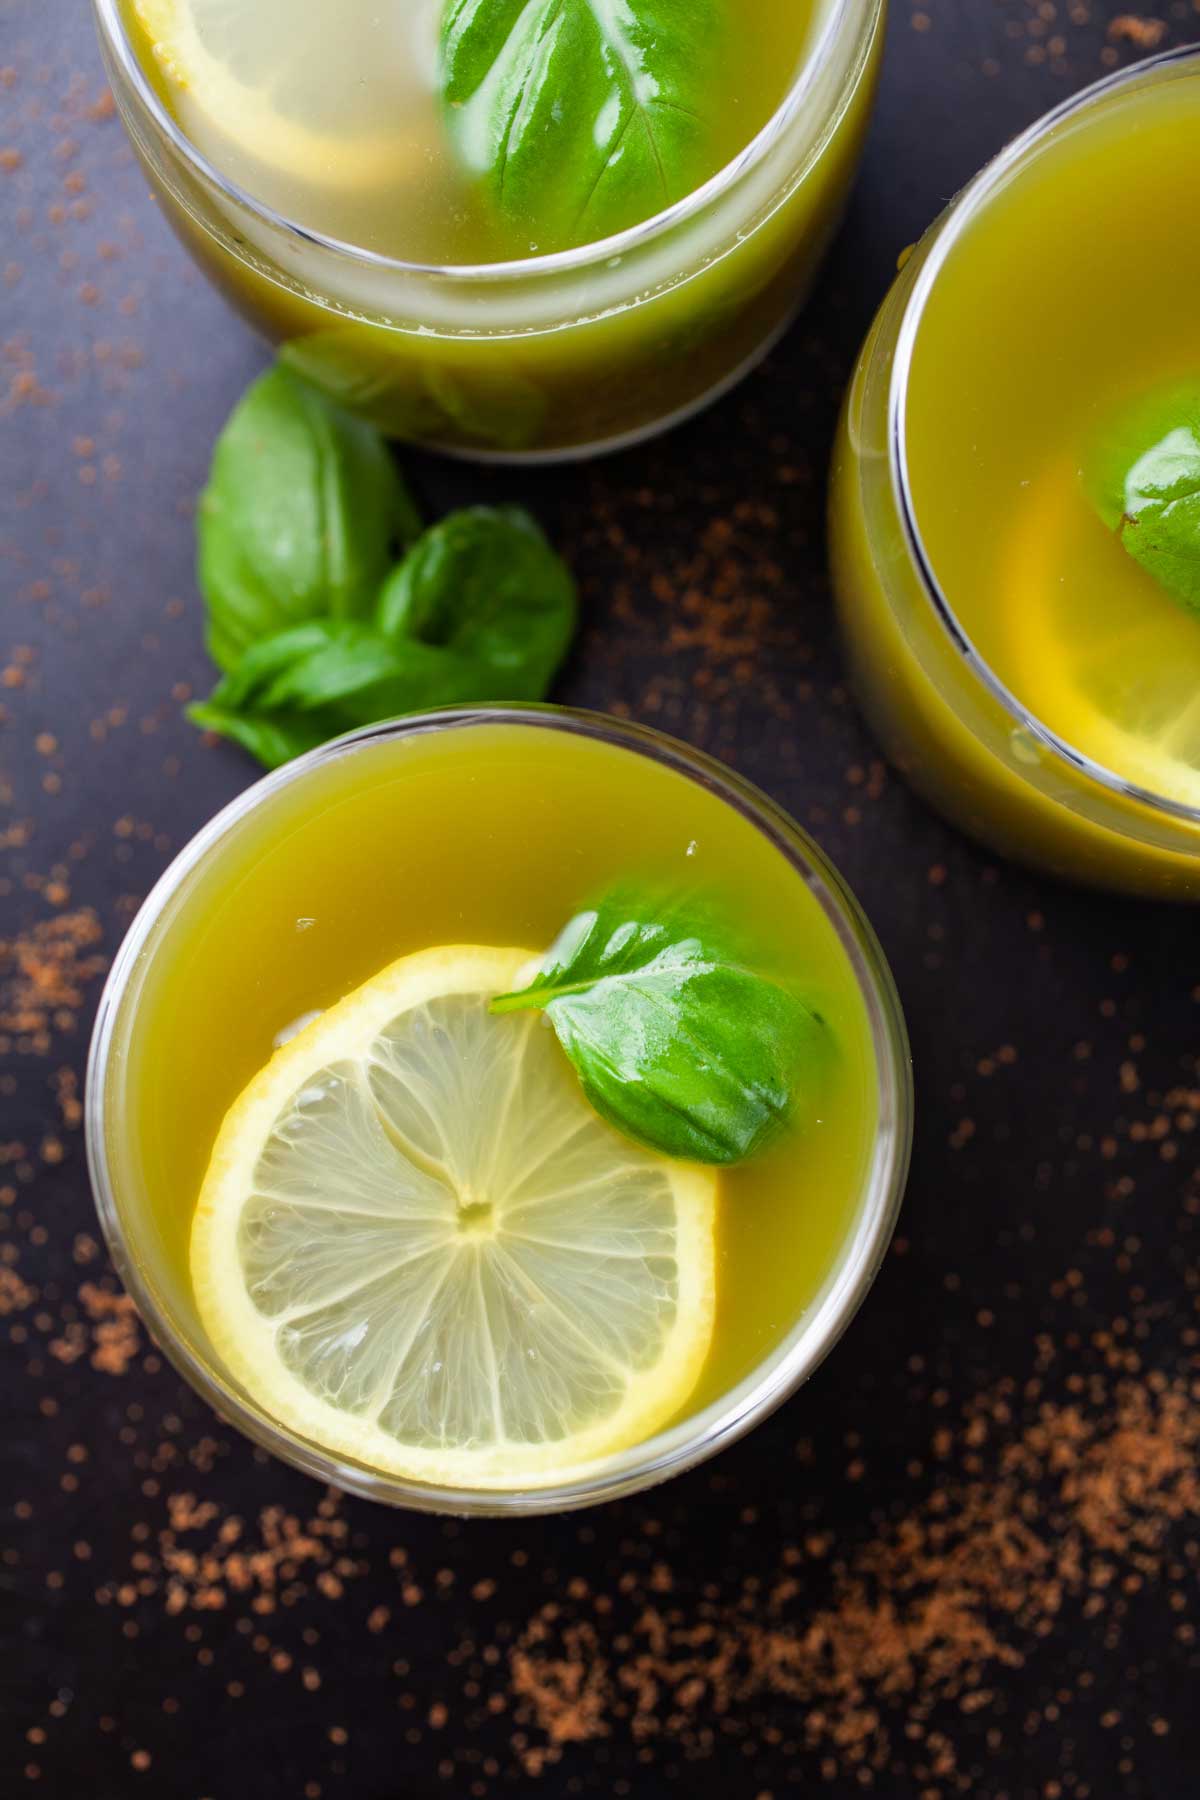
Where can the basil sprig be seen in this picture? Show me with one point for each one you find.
(318, 626)
(1144, 481)
(580, 117)
(676, 1041)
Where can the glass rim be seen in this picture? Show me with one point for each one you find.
(776, 1376)
(962, 212)
(116, 39)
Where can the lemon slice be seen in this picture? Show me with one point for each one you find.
(418, 1246)
(1118, 676)
(266, 76)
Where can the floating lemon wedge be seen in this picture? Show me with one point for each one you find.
(263, 75)
(1121, 682)
(418, 1246)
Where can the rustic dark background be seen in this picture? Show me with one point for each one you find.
(964, 1559)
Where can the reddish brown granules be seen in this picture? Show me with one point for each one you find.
(206, 1559)
(116, 1337)
(1132, 28)
(931, 1611)
(111, 1334)
(44, 974)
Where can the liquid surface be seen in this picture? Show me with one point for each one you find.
(332, 118)
(492, 835)
(1052, 315)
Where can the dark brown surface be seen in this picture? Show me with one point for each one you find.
(964, 1559)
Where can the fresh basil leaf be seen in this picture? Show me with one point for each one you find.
(273, 741)
(1144, 480)
(301, 687)
(676, 1041)
(485, 584)
(480, 609)
(302, 516)
(580, 117)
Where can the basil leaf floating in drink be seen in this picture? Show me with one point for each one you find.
(1144, 481)
(580, 117)
(481, 608)
(302, 516)
(676, 1042)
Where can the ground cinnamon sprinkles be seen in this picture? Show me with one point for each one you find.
(109, 1333)
(1059, 1517)
(1132, 28)
(44, 976)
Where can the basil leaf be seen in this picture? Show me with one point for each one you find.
(580, 117)
(480, 609)
(485, 584)
(301, 518)
(300, 688)
(676, 1042)
(1144, 480)
(274, 741)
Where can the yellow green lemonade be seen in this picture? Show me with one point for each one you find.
(418, 151)
(389, 1209)
(1050, 428)
(340, 126)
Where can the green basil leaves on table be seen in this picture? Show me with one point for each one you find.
(301, 687)
(317, 627)
(675, 1040)
(302, 516)
(580, 117)
(1144, 481)
(485, 585)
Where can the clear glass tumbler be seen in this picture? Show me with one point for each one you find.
(136, 1190)
(554, 356)
(945, 718)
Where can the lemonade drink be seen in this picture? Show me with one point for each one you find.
(310, 171)
(1032, 677)
(486, 831)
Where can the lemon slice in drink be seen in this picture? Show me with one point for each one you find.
(1117, 675)
(265, 76)
(418, 1246)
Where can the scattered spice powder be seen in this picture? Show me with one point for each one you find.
(933, 1610)
(44, 975)
(16, 1295)
(116, 1336)
(66, 1092)
(208, 1560)
(1132, 28)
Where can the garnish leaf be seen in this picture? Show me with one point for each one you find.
(302, 516)
(485, 585)
(580, 117)
(1144, 481)
(676, 1041)
(480, 609)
